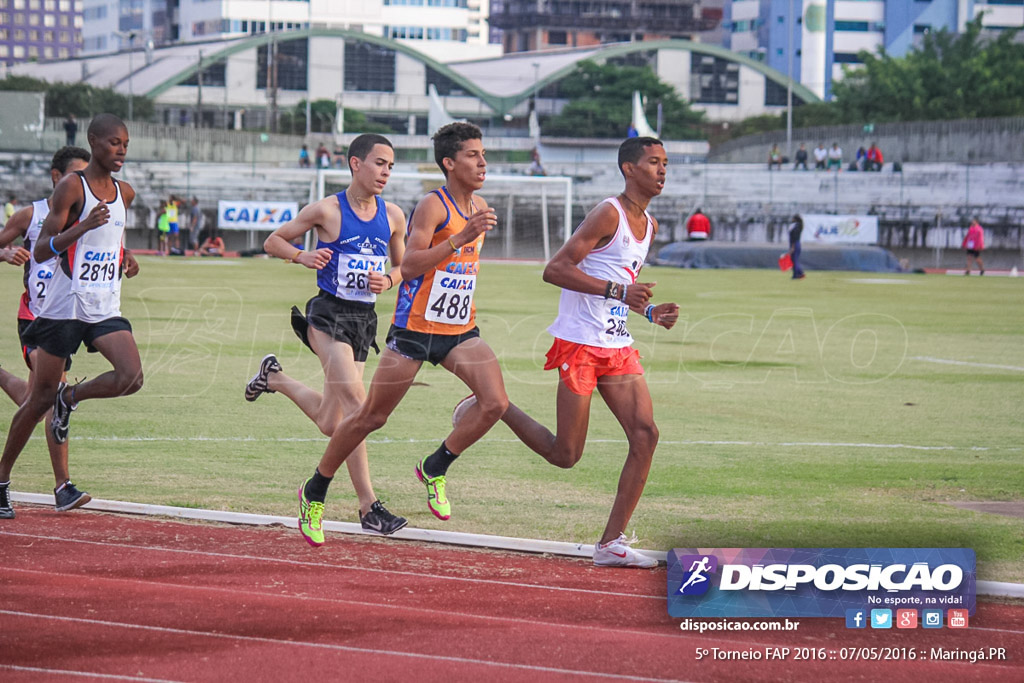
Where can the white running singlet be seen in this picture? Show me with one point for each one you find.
(590, 318)
(86, 285)
(39, 274)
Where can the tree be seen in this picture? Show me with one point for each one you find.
(80, 99)
(601, 103)
(323, 115)
(949, 76)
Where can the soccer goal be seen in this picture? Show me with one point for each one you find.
(534, 212)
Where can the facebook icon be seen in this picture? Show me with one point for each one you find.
(856, 618)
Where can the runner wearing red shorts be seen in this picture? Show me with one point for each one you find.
(597, 270)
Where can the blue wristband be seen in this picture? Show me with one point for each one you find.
(649, 312)
(55, 252)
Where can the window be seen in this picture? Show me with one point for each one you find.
(369, 68)
(292, 57)
(851, 26)
(445, 86)
(775, 94)
(922, 28)
(846, 58)
(214, 75)
(714, 80)
(558, 38)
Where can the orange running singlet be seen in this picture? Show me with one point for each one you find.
(441, 300)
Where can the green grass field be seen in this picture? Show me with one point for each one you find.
(810, 413)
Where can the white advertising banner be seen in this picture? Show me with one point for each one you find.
(244, 215)
(829, 229)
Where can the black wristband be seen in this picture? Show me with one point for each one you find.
(609, 287)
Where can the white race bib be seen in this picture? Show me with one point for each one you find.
(615, 321)
(354, 275)
(94, 270)
(451, 298)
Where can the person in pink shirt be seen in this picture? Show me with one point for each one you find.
(974, 243)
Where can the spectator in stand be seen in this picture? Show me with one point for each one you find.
(323, 157)
(304, 161)
(835, 157)
(974, 243)
(70, 130)
(875, 158)
(775, 157)
(536, 168)
(698, 227)
(801, 157)
(820, 156)
(861, 162)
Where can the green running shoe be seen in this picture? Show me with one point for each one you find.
(437, 501)
(311, 512)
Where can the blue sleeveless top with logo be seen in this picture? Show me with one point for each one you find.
(361, 248)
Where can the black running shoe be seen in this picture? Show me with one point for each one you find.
(380, 521)
(6, 511)
(67, 497)
(257, 386)
(61, 415)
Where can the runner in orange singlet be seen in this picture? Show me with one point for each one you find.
(434, 321)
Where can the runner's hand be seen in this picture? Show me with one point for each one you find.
(638, 294)
(131, 266)
(314, 260)
(378, 283)
(480, 222)
(99, 216)
(665, 315)
(16, 256)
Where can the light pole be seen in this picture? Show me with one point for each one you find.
(130, 35)
(789, 84)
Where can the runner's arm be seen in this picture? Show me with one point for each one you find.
(563, 269)
(396, 251)
(428, 215)
(279, 243)
(16, 227)
(59, 226)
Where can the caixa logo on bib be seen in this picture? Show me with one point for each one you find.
(816, 582)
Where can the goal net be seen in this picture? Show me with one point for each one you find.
(534, 212)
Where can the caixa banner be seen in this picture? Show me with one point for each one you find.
(244, 215)
(817, 582)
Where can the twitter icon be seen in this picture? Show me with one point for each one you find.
(881, 618)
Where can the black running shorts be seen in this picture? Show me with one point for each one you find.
(350, 322)
(422, 346)
(63, 337)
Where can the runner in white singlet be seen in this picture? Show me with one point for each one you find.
(597, 270)
(27, 225)
(85, 230)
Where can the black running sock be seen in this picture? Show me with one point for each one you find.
(438, 462)
(316, 487)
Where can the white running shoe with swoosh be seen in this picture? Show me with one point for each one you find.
(618, 553)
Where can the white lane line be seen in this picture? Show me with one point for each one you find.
(327, 565)
(663, 442)
(84, 674)
(291, 597)
(331, 646)
(946, 361)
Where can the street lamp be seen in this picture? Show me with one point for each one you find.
(130, 35)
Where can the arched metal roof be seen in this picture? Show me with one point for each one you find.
(473, 76)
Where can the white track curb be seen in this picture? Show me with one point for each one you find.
(993, 588)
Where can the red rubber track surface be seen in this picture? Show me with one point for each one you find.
(129, 598)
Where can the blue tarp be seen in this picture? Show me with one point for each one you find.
(765, 255)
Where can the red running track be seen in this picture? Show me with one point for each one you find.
(127, 598)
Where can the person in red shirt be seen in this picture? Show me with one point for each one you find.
(875, 158)
(698, 227)
(974, 243)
